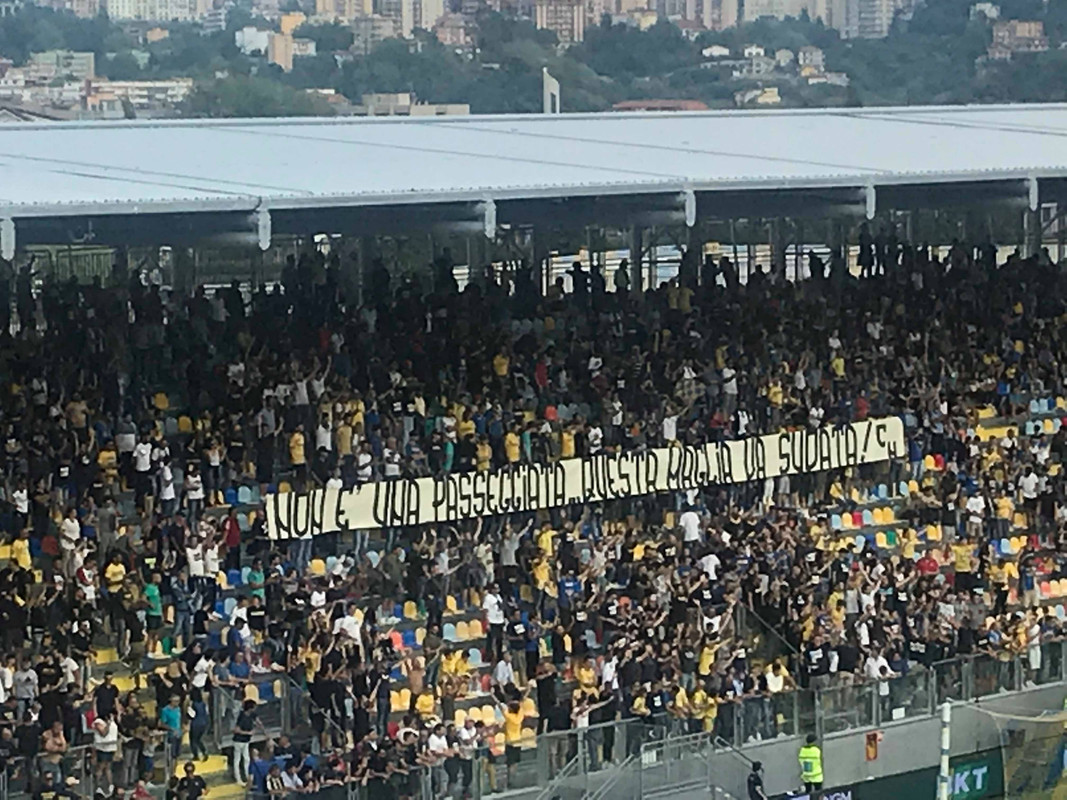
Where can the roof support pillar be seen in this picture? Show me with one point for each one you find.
(263, 229)
(690, 208)
(489, 219)
(637, 278)
(7, 238)
(871, 197)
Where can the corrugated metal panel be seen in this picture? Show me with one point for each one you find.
(188, 165)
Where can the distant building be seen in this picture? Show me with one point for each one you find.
(754, 67)
(407, 15)
(660, 105)
(451, 30)
(404, 104)
(829, 78)
(291, 21)
(280, 50)
(214, 20)
(9, 7)
(565, 17)
(153, 35)
(251, 40)
(343, 10)
(758, 97)
(753, 50)
(779, 9)
(783, 58)
(368, 31)
(809, 56)
(990, 11)
(304, 47)
(152, 10)
(102, 96)
(716, 51)
(1014, 36)
(51, 64)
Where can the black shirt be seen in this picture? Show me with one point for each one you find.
(755, 786)
(192, 788)
(246, 721)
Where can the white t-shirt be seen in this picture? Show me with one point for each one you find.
(872, 668)
(1028, 486)
(142, 457)
(670, 428)
(21, 499)
(438, 745)
(690, 522)
(70, 531)
(729, 380)
(195, 556)
(494, 609)
(710, 564)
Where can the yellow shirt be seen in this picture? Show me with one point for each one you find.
(775, 394)
(1005, 507)
(483, 456)
(681, 701)
(20, 551)
(545, 540)
(344, 439)
(424, 706)
(513, 725)
(586, 677)
(113, 576)
(566, 445)
(707, 657)
(541, 573)
(296, 449)
(837, 366)
(450, 663)
(998, 576)
(962, 554)
(640, 707)
(465, 428)
(501, 365)
(511, 447)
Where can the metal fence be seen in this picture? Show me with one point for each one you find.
(84, 769)
(273, 707)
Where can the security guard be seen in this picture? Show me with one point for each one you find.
(810, 758)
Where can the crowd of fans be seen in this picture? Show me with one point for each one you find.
(131, 416)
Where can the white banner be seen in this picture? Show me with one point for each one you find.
(468, 495)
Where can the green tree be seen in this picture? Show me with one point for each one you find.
(242, 96)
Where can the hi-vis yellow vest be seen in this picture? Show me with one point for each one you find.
(811, 763)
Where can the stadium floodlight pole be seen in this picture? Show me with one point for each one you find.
(943, 776)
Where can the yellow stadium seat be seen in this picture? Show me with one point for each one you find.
(161, 401)
(462, 631)
(876, 516)
(411, 611)
(888, 515)
(913, 487)
(1054, 469)
(394, 703)
(450, 605)
(474, 713)
(488, 714)
(986, 412)
(357, 615)
(5, 552)
(526, 593)
(1012, 570)
(529, 707)
(880, 540)
(1061, 403)
(1048, 426)
(854, 495)
(933, 533)
(929, 462)
(222, 580)
(529, 738)
(185, 425)
(1018, 520)
(284, 487)
(317, 567)
(420, 635)
(405, 698)
(475, 629)
(251, 692)
(460, 718)
(1017, 543)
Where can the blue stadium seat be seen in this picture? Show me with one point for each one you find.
(230, 496)
(233, 576)
(244, 496)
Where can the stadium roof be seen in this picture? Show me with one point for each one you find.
(55, 170)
